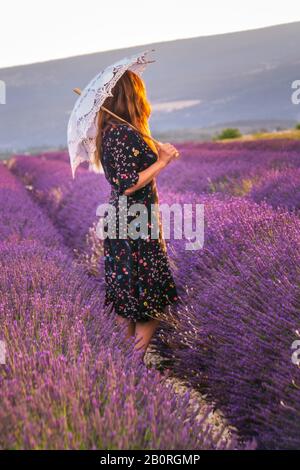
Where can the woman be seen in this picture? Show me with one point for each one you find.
(139, 283)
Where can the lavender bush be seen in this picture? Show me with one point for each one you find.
(241, 318)
(224, 171)
(279, 189)
(70, 203)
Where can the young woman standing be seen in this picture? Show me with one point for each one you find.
(139, 283)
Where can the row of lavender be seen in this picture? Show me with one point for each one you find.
(242, 318)
(245, 297)
(253, 169)
(241, 292)
(70, 379)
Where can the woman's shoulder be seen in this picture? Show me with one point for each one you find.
(113, 127)
(115, 131)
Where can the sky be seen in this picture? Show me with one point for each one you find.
(35, 31)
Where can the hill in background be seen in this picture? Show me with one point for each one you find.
(196, 86)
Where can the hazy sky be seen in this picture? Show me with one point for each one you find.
(39, 30)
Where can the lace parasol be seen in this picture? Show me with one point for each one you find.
(82, 125)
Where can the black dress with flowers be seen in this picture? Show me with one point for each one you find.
(138, 279)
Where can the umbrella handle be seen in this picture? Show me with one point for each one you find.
(156, 142)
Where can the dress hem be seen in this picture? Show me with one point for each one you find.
(144, 317)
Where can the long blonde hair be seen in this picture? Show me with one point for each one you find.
(129, 101)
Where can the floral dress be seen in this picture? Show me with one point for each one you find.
(138, 279)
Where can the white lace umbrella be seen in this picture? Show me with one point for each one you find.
(82, 126)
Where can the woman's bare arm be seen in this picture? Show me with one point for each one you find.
(146, 176)
(167, 152)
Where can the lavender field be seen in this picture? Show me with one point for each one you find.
(71, 379)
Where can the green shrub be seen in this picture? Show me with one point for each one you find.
(297, 126)
(229, 133)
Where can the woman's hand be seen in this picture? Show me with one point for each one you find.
(166, 152)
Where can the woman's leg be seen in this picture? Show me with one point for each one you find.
(144, 332)
(130, 325)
